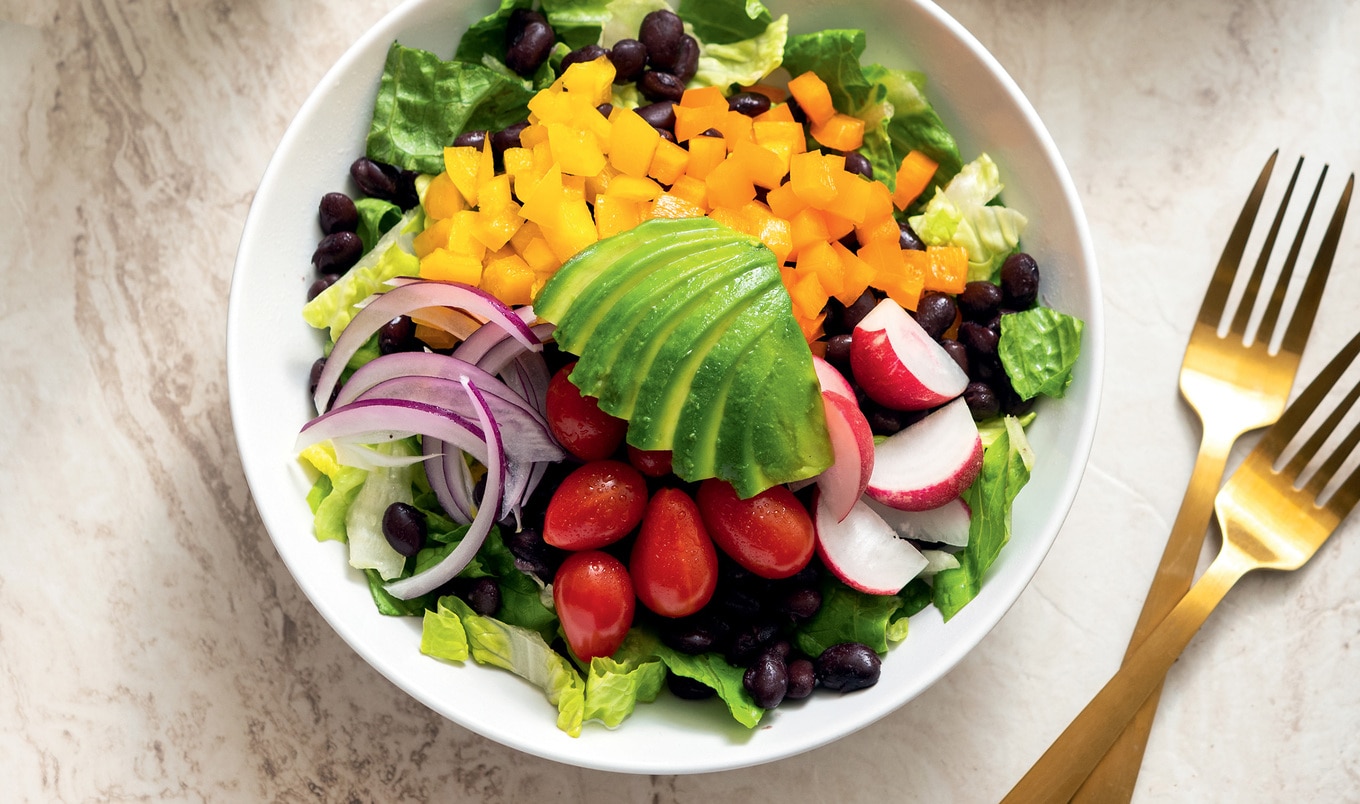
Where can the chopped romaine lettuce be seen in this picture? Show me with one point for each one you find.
(376, 217)
(742, 62)
(848, 615)
(711, 670)
(1038, 349)
(834, 56)
(722, 22)
(1005, 470)
(911, 124)
(615, 686)
(424, 102)
(959, 214)
(391, 257)
(484, 44)
(579, 22)
(368, 547)
(333, 491)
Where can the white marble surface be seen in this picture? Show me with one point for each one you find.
(152, 645)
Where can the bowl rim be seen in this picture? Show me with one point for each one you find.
(1004, 590)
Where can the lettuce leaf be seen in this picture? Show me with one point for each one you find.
(1005, 470)
(424, 102)
(333, 491)
(1038, 349)
(711, 670)
(443, 636)
(391, 256)
(833, 55)
(581, 22)
(911, 125)
(376, 217)
(368, 547)
(722, 22)
(519, 650)
(848, 615)
(742, 62)
(961, 214)
(615, 685)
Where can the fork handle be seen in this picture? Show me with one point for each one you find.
(1068, 761)
(1115, 776)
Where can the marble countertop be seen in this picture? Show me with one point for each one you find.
(153, 646)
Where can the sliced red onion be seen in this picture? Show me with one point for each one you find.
(405, 298)
(378, 420)
(452, 564)
(447, 473)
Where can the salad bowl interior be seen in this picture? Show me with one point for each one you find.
(270, 351)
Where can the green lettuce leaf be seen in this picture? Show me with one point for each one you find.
(391, 257)
(333, 491)
(847, 615)
(742, 62)
(834, 56)
(580, 22)
(392, 606)
(424, 102)
(524, 653)
(376, 217)
(911, 125)
(960, 214)
(614, 688)
(621, 18)
(710, 669)
(1038, 349)
(722, 22)
(521, 596)
(443, 636)
(368, 547)
(1005, 470)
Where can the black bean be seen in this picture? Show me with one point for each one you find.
(666, 134)
(686, 60)
(398, 335)
(337, 253)
(1013, 405)
(768, 682)
(407, 197)
(527, 52)
(688, 688)
(740, 604)
(689, 637)
(979, 300)
(659, 86)
(337, 213)
(907, 238)
(856, 162)
(322, 282)
(376, 179)
(861, 307)
(483, 596)
(796, 111)
(629, 57)
(802, 679)
(519, 20)
(838, 351)
(711, 132)
(984, 368)
(749, 103)
(884, 420)
(957, 351)
(661, 32)
(781, 649)
(580, 55)
(848, 666)
(404, 527)
(531, 553)
(935, 313)
(979, 339)
(605, 110)
(982, 401)
(507, 137)
(318, 366)
(749, 642)
(658, 115)
(1019, 281)
(802, 603)
(475, 138)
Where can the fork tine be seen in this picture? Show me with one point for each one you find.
(1272, 312)
(1244, 307)
(1315, 441)
(1297, 332)
(1279, 436)
(1344, 498)
(1216, 297)
(1323, 475)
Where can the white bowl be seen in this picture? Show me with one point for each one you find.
(270, 350)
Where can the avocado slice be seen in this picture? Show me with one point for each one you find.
(685, 329)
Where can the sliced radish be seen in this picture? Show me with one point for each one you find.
(852, 452)
(831, 379)
(898, 365)
(864, 552)
(947, 524)
(928, 463)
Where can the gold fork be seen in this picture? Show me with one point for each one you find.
(1269, 521)
(1235, 388)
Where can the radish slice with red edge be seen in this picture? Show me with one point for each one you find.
(424, 582)
(405, 298)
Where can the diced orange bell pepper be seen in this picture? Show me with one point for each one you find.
(805, 228)
(945, 269)
(809, 297)
(812, 179)
(762, 165)
(436, 235)
(632, 188)
(774, 93)
(692, 190)
(730, 218)
(913, 176)
(820, 259)
(857, 274)
(778, 113)
(735, 127)
(670, 205)
(853, 194)
(691, 121)
(813, 97)
(443, 265)
(705, 153)
(841, 132)
(668, 162)
(703, 96)
(784, 202)
(837, 226)
(729, 186)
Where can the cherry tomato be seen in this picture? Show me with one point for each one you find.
(594, 599)
(578, 423)
(596, 505)
(673, 563)
(650, 462)
(769, 534)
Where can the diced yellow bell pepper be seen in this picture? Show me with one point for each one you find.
(576, 152)
(616, 213)
(494, 231)
(462, 237)
(533, 134)
(691, 121)
(573, 229)
(519, 163)
(542, 204)
(705, 153)
(668, 162)
(494, 196)
(670, 205)
(442, 198)
(463, 165)
(444, 265)
(539, 255)
(436, 235)
(509, 279)
(591, 80)
(632, 142)
(631, 188)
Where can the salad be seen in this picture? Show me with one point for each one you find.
(666, 348)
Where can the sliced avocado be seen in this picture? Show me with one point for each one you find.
(778, 444)
(558, 295)
(681, 318)
(635, 317)
(670, 381)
